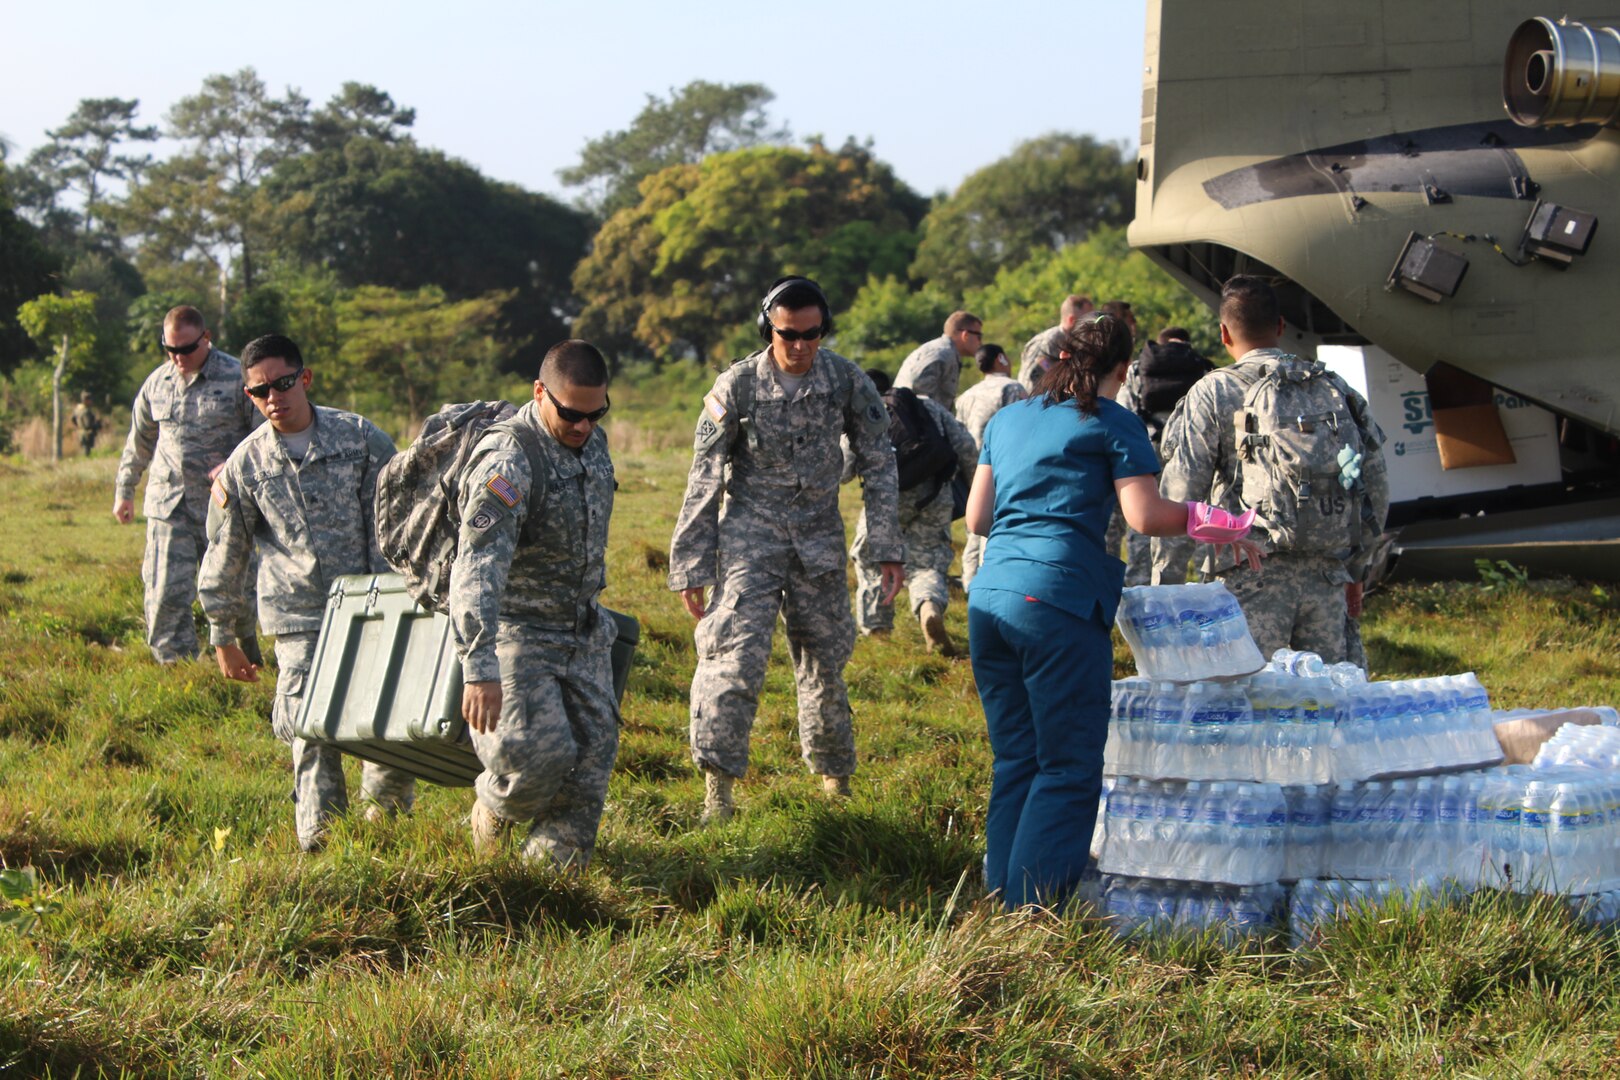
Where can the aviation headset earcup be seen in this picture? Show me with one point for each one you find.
(781, 285)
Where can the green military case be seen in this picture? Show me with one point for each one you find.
(385, 683)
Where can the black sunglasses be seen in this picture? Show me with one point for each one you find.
(280, 386)
(812, 334)
(180, 350)
(574, 416)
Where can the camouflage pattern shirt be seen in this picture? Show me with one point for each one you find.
(182, 432)
(313, 522)
(983, 400)
(933, 370)
(1038, 352)
(1199, 451)
(765, 486)
(533, 543)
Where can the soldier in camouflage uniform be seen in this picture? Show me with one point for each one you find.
(535, 645)
(300, 489)
(934, 368)
(925, 526)
(760, 525)
(1044, 347)
(187, 418)
(974, 408)
(1303, 598)
(88, 422)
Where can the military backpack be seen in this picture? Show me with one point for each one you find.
(1160, 377)
(419, 495)
(922, 451)
(1300, 447)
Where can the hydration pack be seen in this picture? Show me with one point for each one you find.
(1163, 374)
(418, 500)
(922, 451)
(1295, 434)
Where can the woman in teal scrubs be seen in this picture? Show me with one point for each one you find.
(1043, 603)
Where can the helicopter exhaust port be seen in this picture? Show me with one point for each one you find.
(1561, 73)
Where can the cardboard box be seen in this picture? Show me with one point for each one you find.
(1400, 403)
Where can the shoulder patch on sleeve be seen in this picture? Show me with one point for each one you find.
(715, 408)
(483, 518)
(502, 489)
(221, 496)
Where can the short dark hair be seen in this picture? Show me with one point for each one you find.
(987, 357)
(1119, 309)
(961, 320)
(880, 379)
(1075, 304)
(1174, 333)
(576, 362)
(1249, 307)
(269, 347)
(186, 315)
(799, 295)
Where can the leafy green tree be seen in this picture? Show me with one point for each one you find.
(67, 325)
(27, 269)
(699, 119)
(106, 370)
(84, 157)
(416, 349)
(206, 202)
(888, 319)
(1048, 193)
(377, 212)
(682, 271)
(1023, 300)
(359, 110)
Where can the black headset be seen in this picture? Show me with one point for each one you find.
(782, 285)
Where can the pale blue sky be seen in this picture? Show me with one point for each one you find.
(516, 89)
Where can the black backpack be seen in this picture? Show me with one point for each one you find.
(1163, 374)
(923, 453)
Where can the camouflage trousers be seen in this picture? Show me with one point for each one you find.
(319, 790)
(734, 643)
(927, 533)
(174, 551)
(1138, 550)
(550, 756)
(1294, 602)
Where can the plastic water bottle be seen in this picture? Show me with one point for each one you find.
(1245, 820)
(1342, 831)
(1535, 844)
(1450, 840)
(1422, 817)
(1213, 835)
(1565, 833)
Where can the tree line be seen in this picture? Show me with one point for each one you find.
(415, 279)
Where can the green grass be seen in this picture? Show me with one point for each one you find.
(802, 939)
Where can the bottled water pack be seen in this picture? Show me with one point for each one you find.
(1143, 906)
(1581, 744)
(1413, 726)
(1232, 833)
(1313, 904)
(1186, 633)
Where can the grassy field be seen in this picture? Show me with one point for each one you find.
(805, 938)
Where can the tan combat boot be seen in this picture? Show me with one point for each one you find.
(718, 805)
(566, 858)
(933, 628)
(836, 786)
(488, 830)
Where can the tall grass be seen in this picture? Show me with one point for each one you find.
(805, 938)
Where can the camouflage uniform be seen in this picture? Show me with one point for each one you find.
(182, 432)
(523, 603)
(1036, 350)
(312, 522)
(925, 526)
(760, 523)
(974, 408)
(932, 370)
(88, 422)
(1138, 548)
(1297, 599)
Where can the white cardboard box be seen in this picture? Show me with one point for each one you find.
(1400, 404)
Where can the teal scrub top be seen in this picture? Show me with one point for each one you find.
(1054, 470)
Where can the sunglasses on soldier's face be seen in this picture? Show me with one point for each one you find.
(812, 334)
(180, 350)
(280, 386)
(574, 416)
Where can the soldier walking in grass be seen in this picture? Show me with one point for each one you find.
(928, 435)
(760, 527)
(187, 418)
(978, 403)
(934, 368)
(301, 490)
(87, 421)
(1288, 438)
(535, 645)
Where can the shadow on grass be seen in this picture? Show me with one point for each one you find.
(65, 860)
(1394, 659)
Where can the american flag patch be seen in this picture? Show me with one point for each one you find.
(716, 410)
(220, 496)
(503, 490)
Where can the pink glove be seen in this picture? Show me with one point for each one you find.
(1212, 525)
